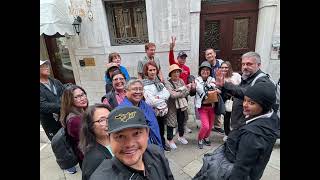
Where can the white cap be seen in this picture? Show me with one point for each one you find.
(42, 62)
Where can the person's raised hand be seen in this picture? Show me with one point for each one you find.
(173, 42)
(219, 78)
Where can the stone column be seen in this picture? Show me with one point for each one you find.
(195, 7)
(266, 23)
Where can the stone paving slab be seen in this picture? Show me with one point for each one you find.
(49, 169)
(193, 168)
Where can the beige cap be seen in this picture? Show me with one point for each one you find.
(174, 67)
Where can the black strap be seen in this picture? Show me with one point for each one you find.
(172, 84)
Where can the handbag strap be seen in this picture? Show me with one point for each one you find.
(172, 84)
(174, 88)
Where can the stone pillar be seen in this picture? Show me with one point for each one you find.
(149, 13)
(195, 7)
(266, 23)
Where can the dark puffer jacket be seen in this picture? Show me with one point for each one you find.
(245, 154)
(238, 92)
(250, 146)
(156, 166)
(49, 104)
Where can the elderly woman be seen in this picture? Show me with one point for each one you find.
(204, 82)
(156, 96)
(249, 146)
(177, 105)
(94, 139)
(74, 102)
(234, 78)
(114, 97)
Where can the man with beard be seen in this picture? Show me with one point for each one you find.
(250, 67)
(133, 157)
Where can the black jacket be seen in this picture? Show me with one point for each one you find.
(50, 103)
(156, 164)
(111, 96)
(93, 158)
(238, 92)
(250, 146)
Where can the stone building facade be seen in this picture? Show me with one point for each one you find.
(165, 18)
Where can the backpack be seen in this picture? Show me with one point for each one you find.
(276, 107)
(63, 151)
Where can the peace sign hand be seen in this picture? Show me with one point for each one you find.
(173, 42)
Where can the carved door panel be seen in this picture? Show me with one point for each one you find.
(230, 29)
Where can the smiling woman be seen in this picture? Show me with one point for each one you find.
(114, 97)
(74, 102)
(94, 139)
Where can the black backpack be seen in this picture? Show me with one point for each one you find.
(63, 151)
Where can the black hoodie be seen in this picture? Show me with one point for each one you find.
(249, 147)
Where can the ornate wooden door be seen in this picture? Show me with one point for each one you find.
(228, 28)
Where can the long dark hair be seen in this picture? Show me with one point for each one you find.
(230, 71)
(87, 135)
(67, 101)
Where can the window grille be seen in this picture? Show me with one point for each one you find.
(127, 22)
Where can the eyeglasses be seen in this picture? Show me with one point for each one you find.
(118, 79)
(136, 89)
(101, 121)
(83, 95)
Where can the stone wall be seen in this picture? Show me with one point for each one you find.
(165, 18)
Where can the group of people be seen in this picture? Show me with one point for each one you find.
(123, 136)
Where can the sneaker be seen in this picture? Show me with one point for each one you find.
(72, 170)
(166, 147)
(207, 142)
(186, 129)
(182, 140)
(172, 144)
(200, 144)
(219, 130)
(225, 138)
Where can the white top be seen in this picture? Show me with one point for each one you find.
(154, 97)
(234, 79)
(200, 90)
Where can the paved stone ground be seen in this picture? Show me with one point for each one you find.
(184, 162)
